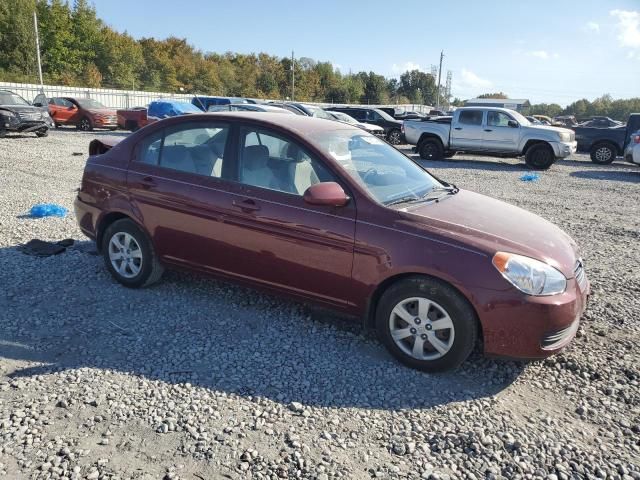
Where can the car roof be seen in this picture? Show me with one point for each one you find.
(303, 125)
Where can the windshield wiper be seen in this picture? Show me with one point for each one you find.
(400, 200)
(451, 190)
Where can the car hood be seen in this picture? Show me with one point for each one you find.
(20, 108)
(549, 128)
(370, 126)
(489, 225)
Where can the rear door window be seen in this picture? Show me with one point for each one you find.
(470, 117)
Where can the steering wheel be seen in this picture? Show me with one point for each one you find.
(368, 173)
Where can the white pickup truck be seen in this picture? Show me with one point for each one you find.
(489, 130)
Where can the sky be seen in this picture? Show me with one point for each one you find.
(546, 51)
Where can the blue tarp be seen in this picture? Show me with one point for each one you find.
(164, 109)
(47, 210)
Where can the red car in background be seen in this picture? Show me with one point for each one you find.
(133, 119)
(326, 212)
(85, 113)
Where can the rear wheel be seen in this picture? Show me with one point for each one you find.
(540, 156)
(42, 132)
(603, 153)
(426, 324)
(129, 255)
(431, 149)
(394, 137)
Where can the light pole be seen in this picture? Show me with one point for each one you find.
(35, 23)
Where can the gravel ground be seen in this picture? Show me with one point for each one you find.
(200, 379)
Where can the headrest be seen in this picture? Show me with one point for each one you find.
(255, 157)
(294, 152)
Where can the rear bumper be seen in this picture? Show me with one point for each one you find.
(87, 217)
(564, 149)
(533, 327)
(635, 155)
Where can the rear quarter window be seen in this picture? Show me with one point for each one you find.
(471, 117)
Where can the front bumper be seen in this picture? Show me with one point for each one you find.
(564, 149)
(105, 123)
(534, 327)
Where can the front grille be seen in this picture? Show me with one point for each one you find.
(580, 275)
(559, 338)
(31, 116)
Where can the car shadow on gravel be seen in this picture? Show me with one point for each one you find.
(610, 175)
(65, 312)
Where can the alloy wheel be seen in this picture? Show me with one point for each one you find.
(603, 154)
(125, 255)
(421, 328)
(85, 125)
(394, 138)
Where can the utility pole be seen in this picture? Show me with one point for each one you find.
(439, 76)
(293, 77)
(35, 23)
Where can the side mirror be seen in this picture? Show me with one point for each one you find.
(37, 104)
(513, 124)
(326, 193)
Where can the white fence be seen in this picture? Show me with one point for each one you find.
(135, 98)
(110, 97)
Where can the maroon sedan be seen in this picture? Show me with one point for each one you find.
(325, 212)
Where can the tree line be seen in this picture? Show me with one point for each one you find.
(79, 49)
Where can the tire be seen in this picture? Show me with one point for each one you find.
(42, 133)
(143, 269)
(394, 137)
(603, 153)
(540, 156)
(57, 125)
(431, 149)
(456, 340)
(85, 124)
(3, 133)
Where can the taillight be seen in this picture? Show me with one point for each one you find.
(636, 139)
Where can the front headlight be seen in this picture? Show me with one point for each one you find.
(565, 136)
(528, 275)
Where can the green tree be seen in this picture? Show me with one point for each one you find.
(497, 95)
(419, 87)
(17, 40)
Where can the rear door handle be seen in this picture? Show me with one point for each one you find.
(148, 183)
(247, 205)
(458, 128)
(488, 130)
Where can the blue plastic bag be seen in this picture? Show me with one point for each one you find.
(47, 210)
(530, 177)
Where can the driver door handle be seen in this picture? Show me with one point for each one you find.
(458, 128)
(488, 130)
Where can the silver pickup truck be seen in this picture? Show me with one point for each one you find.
(493, 131)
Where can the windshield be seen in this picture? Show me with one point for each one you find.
(521, 119)
(345, 118)
(89, 103)
(319, 113)
(378, 167)
(384, 115)
(10, 98)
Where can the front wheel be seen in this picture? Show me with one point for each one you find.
(85, 124)
(42, 132)
(603, 154)
(426, 324)
(129, 255)
(540, 156)
(394, 137)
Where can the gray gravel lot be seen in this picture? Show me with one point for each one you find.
(200, 379)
